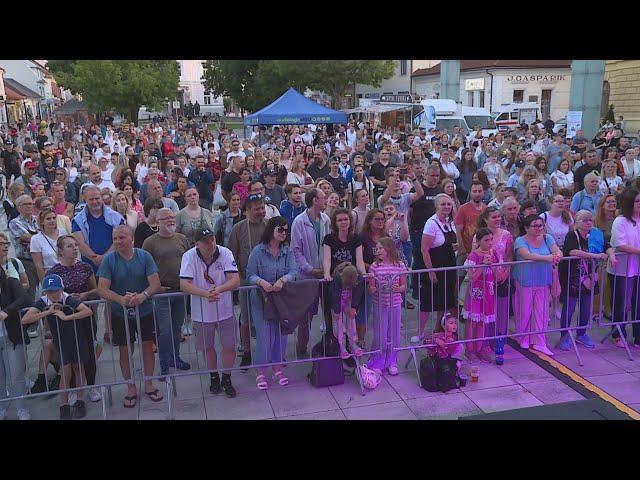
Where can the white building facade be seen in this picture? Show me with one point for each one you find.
(192, 90)
(35, 77)
(501, 83)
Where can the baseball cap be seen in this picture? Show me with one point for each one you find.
(47, 143)
(519, 164)
(522, 139)
(30, 165)
(52, 283)
(204, 233)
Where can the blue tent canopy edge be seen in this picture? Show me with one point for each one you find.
(293, 108)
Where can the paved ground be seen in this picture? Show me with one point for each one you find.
(519, 383)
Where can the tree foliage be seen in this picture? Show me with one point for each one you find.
(255, 83)
(121, 85)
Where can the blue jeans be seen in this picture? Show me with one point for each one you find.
(12, 372)
(407, 251)
(169, 317)
(569, 306)
(362, 315)
(271, 345)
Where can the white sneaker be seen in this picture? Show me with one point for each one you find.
(73, 398)
(95, 395)
(3, 415)
(187, 330)
(415, 339)
(23, 414)
(393, 370)
(543, 349)
(29, 383)
(525, 344)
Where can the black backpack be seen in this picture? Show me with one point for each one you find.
(428, 374)
(329, 372)
(439, 374)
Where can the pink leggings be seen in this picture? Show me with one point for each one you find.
(531, 305)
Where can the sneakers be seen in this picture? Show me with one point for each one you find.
(586, 341)
(393, 370)
(542, 348)
(246, 361)
(73, 398)
(79, 409)
(415, 339)
(215, 388)
(410, 305)
(619, 343)
(525, 344)
(65, 412)
(3, 414)
(95, 395)
(23, 414)
(565, 344)
(229, 391)
(181, 364)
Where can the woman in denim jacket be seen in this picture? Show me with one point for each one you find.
(271, 264)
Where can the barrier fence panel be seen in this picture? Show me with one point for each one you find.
(493, 298)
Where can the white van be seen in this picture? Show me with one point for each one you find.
(448, 115)
(510, 116)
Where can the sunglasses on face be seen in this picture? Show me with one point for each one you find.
(282, 229)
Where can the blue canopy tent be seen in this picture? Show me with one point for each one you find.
(293, 108)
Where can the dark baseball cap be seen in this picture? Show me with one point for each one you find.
(204, 233)
(520, 164)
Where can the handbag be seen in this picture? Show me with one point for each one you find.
(587, 280)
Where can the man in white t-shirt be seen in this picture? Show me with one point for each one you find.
(97, 180)
(209, 274)
(307, 136)
(193, 151)
(235, 150)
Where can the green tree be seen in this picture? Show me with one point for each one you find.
(254, 83)
(121, 85)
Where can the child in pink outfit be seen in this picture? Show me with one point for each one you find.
(445, 348)
(387, 305)
(481, 303)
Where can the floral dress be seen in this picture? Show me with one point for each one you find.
(481, 304)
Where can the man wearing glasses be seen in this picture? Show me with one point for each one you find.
(235, 150)
(245, 235)
(167, 248)
(209, 273)
(22, 228)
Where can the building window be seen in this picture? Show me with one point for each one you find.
(403, 67)
(470, 95)
(481, 105)
(518, 96)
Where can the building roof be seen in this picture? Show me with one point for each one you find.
(46, 72)
(482, 64)
(11, 93)
(21, 89)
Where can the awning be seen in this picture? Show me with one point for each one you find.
(379, 108)
(20, 88)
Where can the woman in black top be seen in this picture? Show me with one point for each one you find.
(147, 228)
(342, 245)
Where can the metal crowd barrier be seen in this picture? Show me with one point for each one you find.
(505, 308)
(43, 348)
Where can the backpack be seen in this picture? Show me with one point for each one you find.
(329, 372)
(428, 375)
(439, 374)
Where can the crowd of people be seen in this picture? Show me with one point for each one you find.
(125, 213)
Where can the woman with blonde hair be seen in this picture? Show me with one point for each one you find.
(43, 244)
(610, 182)
(121, 204)
(298, 174)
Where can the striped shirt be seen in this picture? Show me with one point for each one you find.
(381, 272)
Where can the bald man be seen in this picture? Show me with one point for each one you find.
(128, 278)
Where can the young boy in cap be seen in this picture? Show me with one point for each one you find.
(62, 311)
